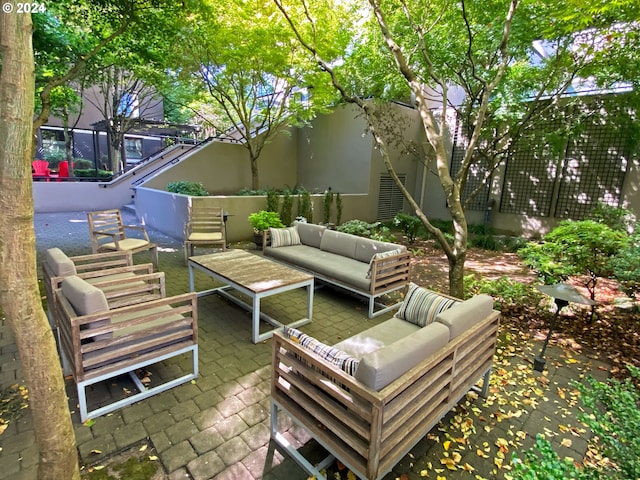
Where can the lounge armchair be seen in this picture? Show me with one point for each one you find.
(108, 233)
(99, 342)
(205, 227)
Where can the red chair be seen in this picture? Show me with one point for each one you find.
(40, 170)
(63, 170)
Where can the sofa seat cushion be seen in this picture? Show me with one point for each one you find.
(381, 367)
(333, 355)
(377, 337)
(59, 263)
(342, 269)
(310, 233)
(464, 315)
(284, 237)
(421, 306)
(343, 244)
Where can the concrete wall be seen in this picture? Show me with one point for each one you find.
(335, 153)
(79, 196)
(224, 168)
(168, 212)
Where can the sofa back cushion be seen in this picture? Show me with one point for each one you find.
(464, 315)
(85, 300)
(284, 237)
(335, 356)
(381, 367)
(367, 248)
(310, 233)
(339, 243)
(421, 306)
(60, 264)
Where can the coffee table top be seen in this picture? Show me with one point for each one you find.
(253, 272)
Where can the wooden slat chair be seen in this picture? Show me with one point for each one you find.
(100, 342)
(205, 227)
(108, 233)
(92, 268)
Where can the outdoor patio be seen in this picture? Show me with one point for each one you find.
(218, 426)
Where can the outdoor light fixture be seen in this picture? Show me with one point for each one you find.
(563, 294)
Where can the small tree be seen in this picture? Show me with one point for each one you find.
(575, 249)
(625, 265)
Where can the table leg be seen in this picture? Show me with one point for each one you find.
(256, 319)
(191, 282)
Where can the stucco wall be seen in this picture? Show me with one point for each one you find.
(335, 153)
(224, 169)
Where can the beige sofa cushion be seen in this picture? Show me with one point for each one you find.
(377, 337)
(85, 300)
(381, 367)
(339, 243)
(367, 248)
(464, 315)
(310, 233)
(60, 264)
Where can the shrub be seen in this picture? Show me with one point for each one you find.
(573, 249)
(505, 292)
(626, 265)
(286, 213)
(616, 218)
(542, 463)
(376, 230)
(187, 187)
(305, 208)
(264, 219)
(91, 173)
(614, 418)
(409, 224)
(327, 203)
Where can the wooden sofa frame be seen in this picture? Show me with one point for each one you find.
(146, 333)
(370, 431)
(387, 275)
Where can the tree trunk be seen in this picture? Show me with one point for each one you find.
(19, 293)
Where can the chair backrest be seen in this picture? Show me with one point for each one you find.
(102, 223)
(205, 218)
(63, 169)
(40, 167)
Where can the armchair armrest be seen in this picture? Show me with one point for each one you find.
(139, 228)
(390, 271)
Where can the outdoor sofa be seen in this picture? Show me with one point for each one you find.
(370, 398)
(361, 265)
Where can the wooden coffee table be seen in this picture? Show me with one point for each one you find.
(256, 277)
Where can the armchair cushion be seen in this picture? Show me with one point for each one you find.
(333, 355)
(379, 368)
(284, 237)
(85, 300)
(60, 264)
(422, 306)
(126, 244)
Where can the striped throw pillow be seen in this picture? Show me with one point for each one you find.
(340, 359)
(422, 306)
(284, 237)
